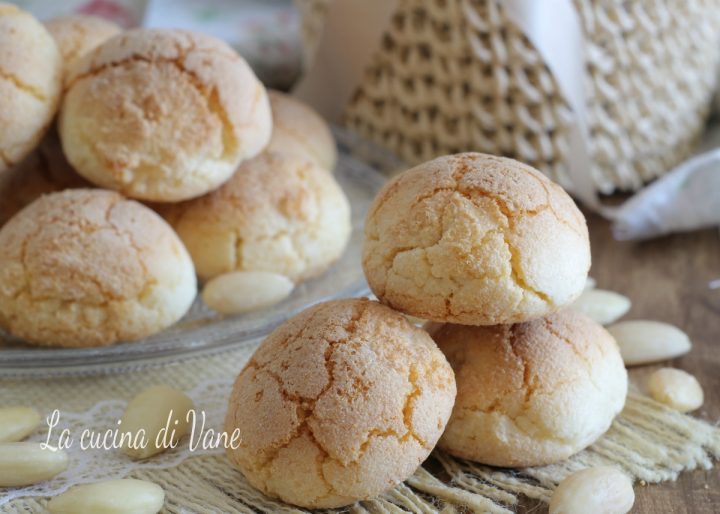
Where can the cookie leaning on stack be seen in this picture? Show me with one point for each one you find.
(340, 403)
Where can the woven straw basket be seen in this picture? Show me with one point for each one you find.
(457, 75)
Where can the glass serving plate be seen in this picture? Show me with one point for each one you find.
(204, 331)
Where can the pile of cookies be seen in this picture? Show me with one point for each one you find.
(493, 252)
(242, 178)
(346, 399)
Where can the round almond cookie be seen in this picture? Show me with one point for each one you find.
(338, 404)
(475, 239)
(279, 213)
(87, 267)
(297, 128)
(78, 34)
(162, 115)
(30, 81)
(533, 393)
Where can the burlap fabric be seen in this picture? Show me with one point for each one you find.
(648, 441)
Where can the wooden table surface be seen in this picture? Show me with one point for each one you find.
(667, 280)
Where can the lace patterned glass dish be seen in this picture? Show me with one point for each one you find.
(202, 330)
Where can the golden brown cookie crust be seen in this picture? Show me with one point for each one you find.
(297, 128)
(475, 239)
(30, 80)
(340, 403)
(279, 213)
(532, 393)
(78, 34)
(89, 268)
(162, 115)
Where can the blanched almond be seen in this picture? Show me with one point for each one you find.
(16, 423)
(245, 291)
(125, 496)
(676, 389)
(598, 490)
(161, 413)
(602, 306)
(645, 341)
(28, 463)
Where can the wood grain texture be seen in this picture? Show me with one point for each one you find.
(667, 280)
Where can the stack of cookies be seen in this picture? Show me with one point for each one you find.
(346, 399)
(94, 121)
(492, 253)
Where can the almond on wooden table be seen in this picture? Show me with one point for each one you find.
(646, 341)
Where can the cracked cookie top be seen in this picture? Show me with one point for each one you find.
(162, 115)
(78, 34)
(279, 213)
(532, 393)
(30, 80)
(340, 403)
(86, 267)
(297, 128)
(475, 239)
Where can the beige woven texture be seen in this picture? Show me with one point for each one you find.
(647, 440)
(457, 75)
